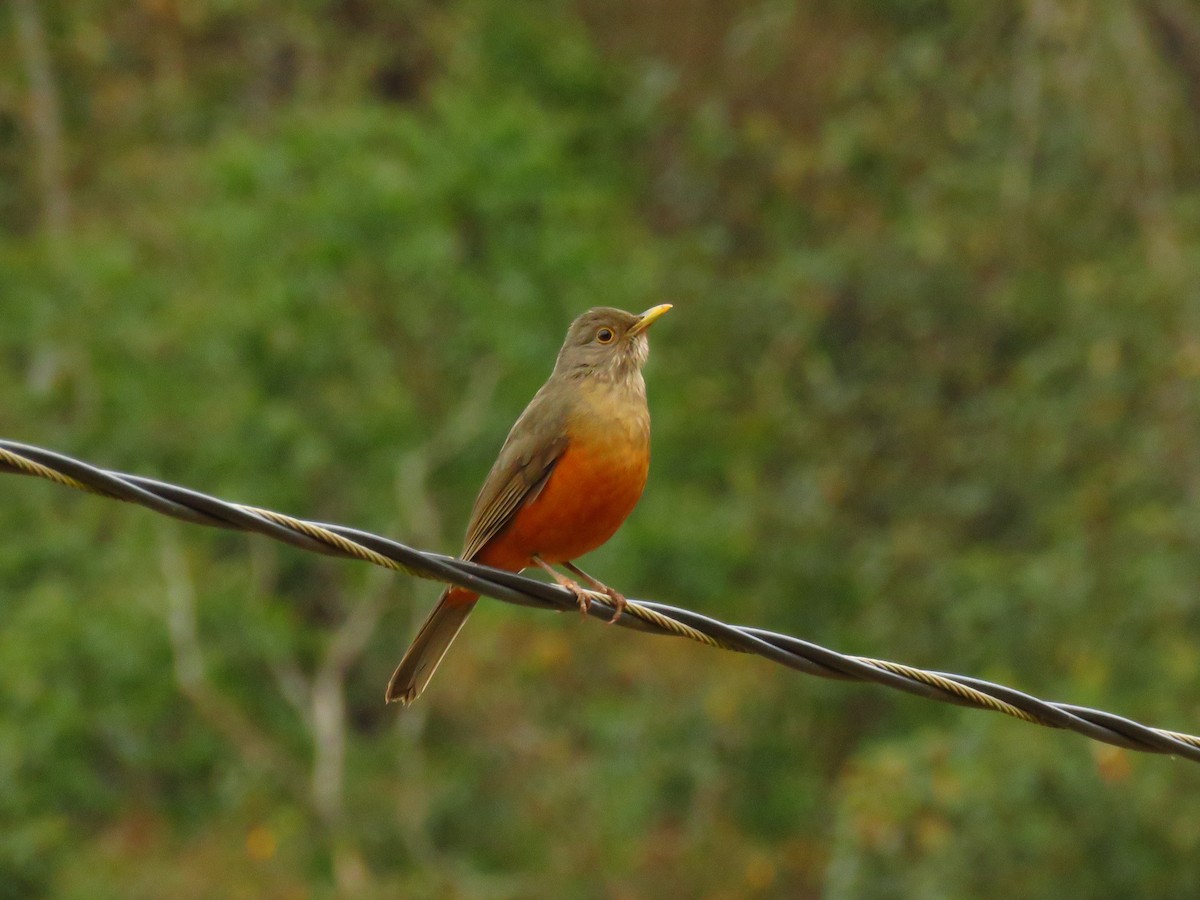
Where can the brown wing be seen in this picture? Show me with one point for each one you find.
(535, 443)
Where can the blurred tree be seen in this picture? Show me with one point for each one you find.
(930, 393)
(44, 117)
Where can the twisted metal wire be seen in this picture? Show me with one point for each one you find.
(642, 615)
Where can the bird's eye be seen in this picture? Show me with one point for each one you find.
(605, 335)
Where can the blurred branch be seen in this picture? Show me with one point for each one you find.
(328, 703)
(320, 700)
(44, 116)
(642, 615)
(1176, 27)
(1151, 113)
(1017, 173)
(419, 516)
(191, 674)
(321, 704)
(465, 422)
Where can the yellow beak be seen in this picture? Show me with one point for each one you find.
(648, 318)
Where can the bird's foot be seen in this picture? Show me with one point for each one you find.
(603, 593)
(618, 601)
(582, 595)
(614, 597)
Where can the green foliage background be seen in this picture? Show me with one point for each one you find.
(929, 393)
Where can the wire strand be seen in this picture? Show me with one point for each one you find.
(641, 615)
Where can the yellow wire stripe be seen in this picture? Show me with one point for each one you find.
(30, 467)
(969, 694)
(353, 549)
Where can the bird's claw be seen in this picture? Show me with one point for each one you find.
(581, 594)
(618, 602)
(604, 595)
(584, 597)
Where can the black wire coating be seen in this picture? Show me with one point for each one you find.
(658, 618)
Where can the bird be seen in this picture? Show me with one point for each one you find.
(569, 473)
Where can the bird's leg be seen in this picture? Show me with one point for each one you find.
(581, 596)
(616, 598)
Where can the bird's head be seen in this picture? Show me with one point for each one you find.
(607, 343)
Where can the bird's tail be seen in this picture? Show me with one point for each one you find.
(430, 645)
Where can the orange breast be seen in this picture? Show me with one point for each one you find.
(593, 488)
